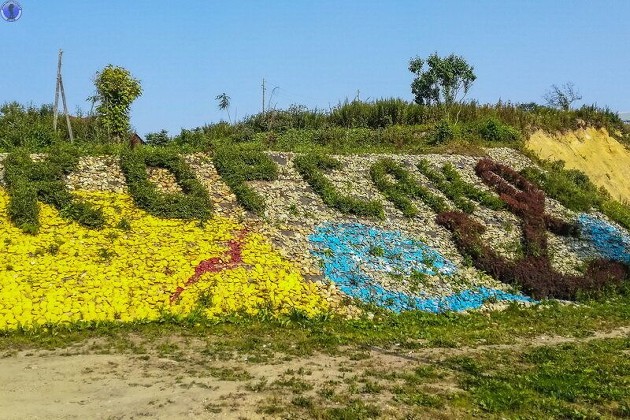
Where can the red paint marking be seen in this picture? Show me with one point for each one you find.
(215, 264)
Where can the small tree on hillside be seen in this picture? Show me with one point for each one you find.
(562, 97)
(158, 139)
(116, 89)
(224, 104)
(443, 82)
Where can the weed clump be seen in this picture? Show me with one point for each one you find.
(493, 130)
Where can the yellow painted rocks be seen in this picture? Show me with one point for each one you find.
(131, 269)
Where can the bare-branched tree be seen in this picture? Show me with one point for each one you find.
(562, 97)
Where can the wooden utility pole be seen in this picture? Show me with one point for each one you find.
(57, 92)
(59, 89)
(263, 97)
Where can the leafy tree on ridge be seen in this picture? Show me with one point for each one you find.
(442, 81)
(116, 89)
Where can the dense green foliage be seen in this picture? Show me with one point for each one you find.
(194, 201)
(312, 167)
(158, 139)
(442, 81)
(32, 128)
(617, 211)
(394, 125)
(493, 130)
(570, 187)
(404, 189)
(443, 132)
(116, 89)
(236, 165)
(29, 182)
(29, 127)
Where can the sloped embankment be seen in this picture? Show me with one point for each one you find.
(155, 235)
(594, 152)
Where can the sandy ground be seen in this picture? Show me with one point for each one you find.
(594, 152)
(71, 384)
(76, 383)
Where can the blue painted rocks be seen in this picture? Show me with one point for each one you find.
(354, 255)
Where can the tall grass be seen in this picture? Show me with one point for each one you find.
(385, 121)
(387, 112)
(31, 127)
(26, 126)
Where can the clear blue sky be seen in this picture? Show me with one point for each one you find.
(317, 52)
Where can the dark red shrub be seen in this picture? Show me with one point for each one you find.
(533, 272)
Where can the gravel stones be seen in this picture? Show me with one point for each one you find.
(164, 180)
(224, 200)
(97, 173)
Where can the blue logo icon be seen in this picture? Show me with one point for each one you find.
(11, 11)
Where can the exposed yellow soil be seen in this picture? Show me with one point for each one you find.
(594, 152)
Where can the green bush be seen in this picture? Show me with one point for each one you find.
(28, 127)
(116, 89)
(194, 203)
(221, 130)
(295, 117)
(442, 132)
(29, 182)
(244, 135)
(238, 164)
(194, 138)
(311, 167)
(494, 130)
(618, 212)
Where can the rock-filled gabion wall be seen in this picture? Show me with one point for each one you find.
(299, 254)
